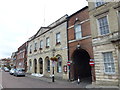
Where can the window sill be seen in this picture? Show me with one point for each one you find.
(58, 43)
(47, 46)
(105, 73)
(40, 49)
(35, 50)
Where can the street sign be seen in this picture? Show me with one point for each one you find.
(91, 63)
(68, 63)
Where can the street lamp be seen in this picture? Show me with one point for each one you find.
(78, 81)
(53, 63)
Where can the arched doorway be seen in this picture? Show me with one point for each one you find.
(82, 69)
(41, 65)
(35, 66)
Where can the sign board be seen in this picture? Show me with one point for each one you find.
(68, 63)
(91, 63)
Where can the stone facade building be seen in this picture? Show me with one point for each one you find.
(104, 20)
(48, 42)
(80, 45)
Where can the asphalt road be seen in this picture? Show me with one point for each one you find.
(10, 81)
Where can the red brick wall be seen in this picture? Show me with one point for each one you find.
(85, 44)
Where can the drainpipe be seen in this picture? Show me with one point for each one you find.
(68, 45)
(118, 16)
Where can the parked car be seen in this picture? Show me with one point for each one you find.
(6, 69)
(19, 72)
(12, 71)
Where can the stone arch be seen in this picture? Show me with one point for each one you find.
(41, 65)
(59, 63)
(35, 65)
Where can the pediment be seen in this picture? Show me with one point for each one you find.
(41, 31)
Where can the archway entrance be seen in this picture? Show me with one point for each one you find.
(41, 65)
(35, 66)
(82, 69)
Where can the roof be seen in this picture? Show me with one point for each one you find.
(78, 11)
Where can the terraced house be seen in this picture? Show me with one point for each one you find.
(105, 27)
(49, 42)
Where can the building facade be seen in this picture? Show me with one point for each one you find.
(104, 21)
(49, 42)
(80, 45)
(13, 59)
(21, 59)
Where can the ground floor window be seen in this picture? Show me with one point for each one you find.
(59, 64)
(108, 63)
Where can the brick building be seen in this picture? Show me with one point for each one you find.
(80, 45)
(21, 60)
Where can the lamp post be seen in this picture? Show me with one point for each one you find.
(53, 64)
(78, 81)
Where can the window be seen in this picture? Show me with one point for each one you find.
(109, 63)
(47, 42)
(35, 46)
(58, 38)
(30, 48)
(48, 65)
(41, 44)
(78, 33)
(59, 65)
(103, 25)
(99, 3)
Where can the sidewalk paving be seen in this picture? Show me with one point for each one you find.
(86, 85)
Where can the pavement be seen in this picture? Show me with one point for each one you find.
(86, 85)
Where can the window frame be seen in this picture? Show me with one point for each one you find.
(58, 65)
(58, 38)
(101, 2)
(41, 44)
(48, 65)
(35, 48)
(98, 26)
(78, 32)
(108, 62)
(47, 42)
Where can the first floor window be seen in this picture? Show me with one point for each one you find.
(41, 44)
(78, 32)
(47, 42)
(58, 37)
(103, 25)
(108, 62)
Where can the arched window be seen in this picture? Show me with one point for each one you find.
(48, 64)
(59, 64)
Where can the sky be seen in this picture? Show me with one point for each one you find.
(21, 19)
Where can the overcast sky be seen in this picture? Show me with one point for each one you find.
(20, 19)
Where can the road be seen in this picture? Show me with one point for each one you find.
(10, 81)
